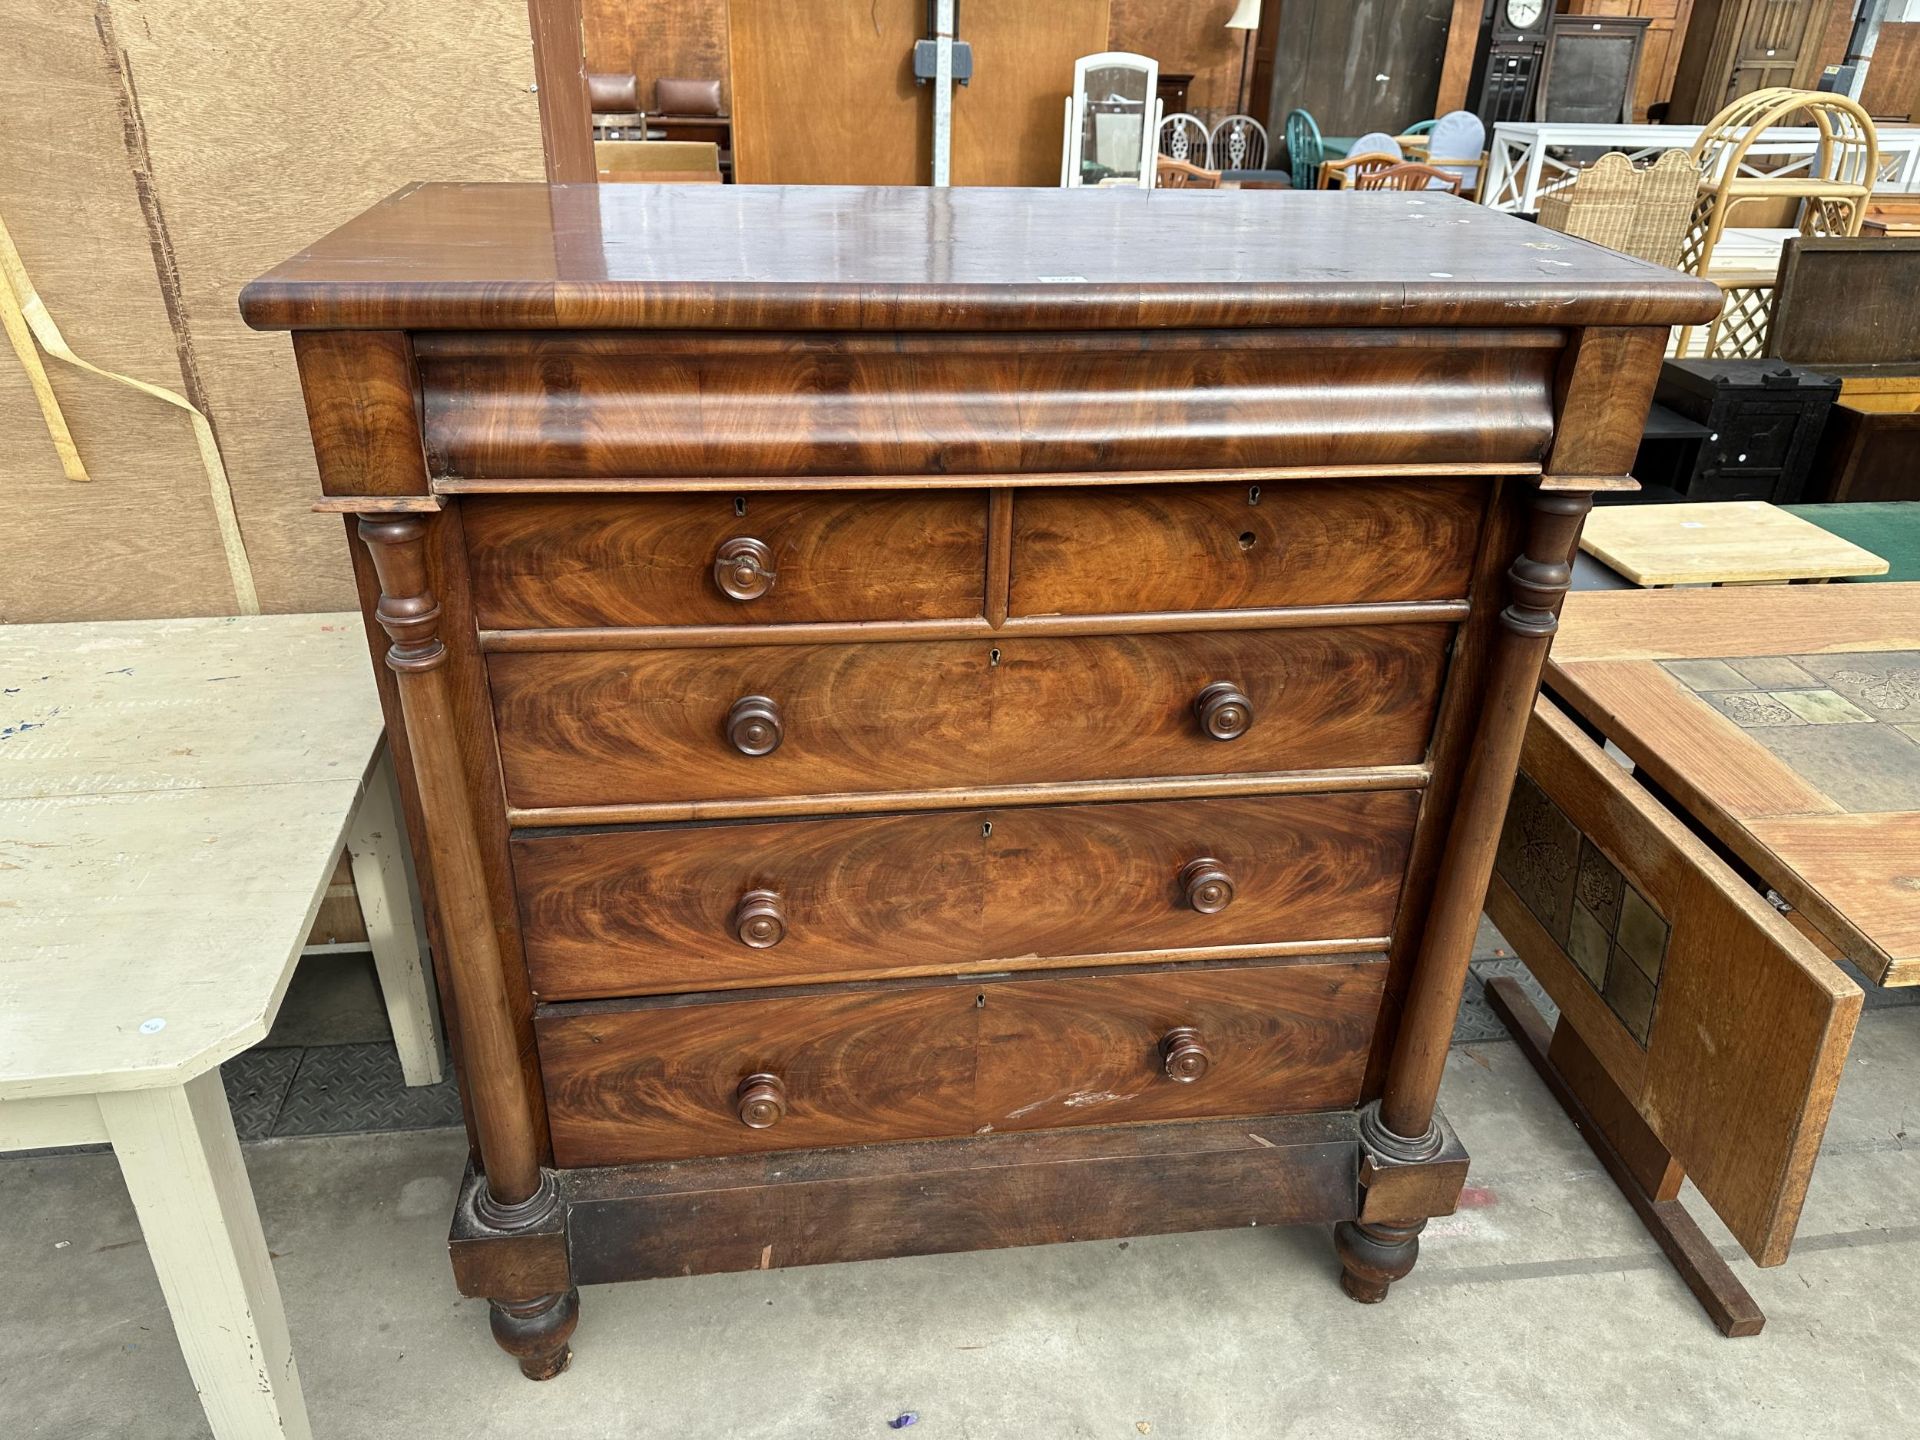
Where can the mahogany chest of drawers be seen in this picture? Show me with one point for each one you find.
(936, 719)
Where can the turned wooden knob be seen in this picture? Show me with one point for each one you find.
(759, 921)
(1186, 1059)
(743, 568)
(753, 725)
(1209, 888)
(1224, 712)
(762, 1101)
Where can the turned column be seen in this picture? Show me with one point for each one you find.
(1401, 1127)
(518, 1194)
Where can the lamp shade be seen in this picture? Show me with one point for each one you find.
(1246, 16)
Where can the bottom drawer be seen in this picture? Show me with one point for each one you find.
(676, 1077)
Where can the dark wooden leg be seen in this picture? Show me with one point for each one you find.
(535, 1332)
(1372, 1257)
(510, 1205)
(1633, 1164)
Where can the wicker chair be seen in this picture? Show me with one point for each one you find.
(1643, 213)
(1171, 174)
(1334, 174)
(1833, 189)
(1408, 176)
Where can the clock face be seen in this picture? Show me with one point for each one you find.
(1522, 14)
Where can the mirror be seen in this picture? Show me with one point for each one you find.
(1112, 117)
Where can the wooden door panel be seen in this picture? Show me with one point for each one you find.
(1720, 1023)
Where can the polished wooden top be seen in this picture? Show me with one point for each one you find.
(861, 258)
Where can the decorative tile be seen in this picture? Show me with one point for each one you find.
(1602, 924)
(1885, 685)
(1773, 672)
(1588, 945)
(1599, 886)
(1822, 707)
(1863, 768)
(1630, 995)
(1536, 857)
(1751, 709)
(1643, 935)
(1707, 675)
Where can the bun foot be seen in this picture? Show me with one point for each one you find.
(535, 1332)
(1372, 1257)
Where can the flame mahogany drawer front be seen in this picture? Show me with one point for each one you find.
(643, 911)
(721, 1075)
(749, 722)
(1205, 547)
(717, 559)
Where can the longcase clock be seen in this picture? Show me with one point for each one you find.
(1506, 58)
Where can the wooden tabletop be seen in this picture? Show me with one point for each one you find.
(1786, 719)
(1719, 542)
(172, 794)
(811, 257)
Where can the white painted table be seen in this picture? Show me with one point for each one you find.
(174, 798)
(1521, 167)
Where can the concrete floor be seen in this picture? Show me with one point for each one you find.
(1542, 1309)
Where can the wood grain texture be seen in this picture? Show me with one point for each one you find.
(1447, 757)
(635, 912)
(609, 726)
(140, 542)
(1860, 878)
(1682, 624)
(905, 257)
(1720, 542)
(1693, 751)
(824, 94)
(670, 39)
(1007, 119)
(1739, 1093)
(927, 1197)
(1691, 1254)
(560, 82)
(752, 484)
(362, 400)
(657, 1079)
(814, 405)
(1230, 546)
(224, 126)
(1186, 40)
(650, 560)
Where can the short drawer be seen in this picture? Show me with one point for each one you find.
(649, 910)
(588, 560)
(718, 1075)
(1208, 547)
(753, 722)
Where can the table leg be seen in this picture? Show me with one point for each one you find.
(1530, 186)
(181, 1159)
(377, 848)
(1638, 1165)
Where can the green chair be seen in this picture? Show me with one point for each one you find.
(1304, 150)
